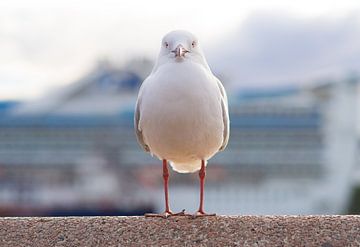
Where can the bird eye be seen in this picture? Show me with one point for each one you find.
(193, 44)
(166, 44)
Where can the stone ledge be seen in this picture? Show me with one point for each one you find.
(323, 231)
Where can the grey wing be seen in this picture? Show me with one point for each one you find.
(138, 132)
(225, 116)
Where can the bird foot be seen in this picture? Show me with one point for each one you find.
(182, 213)
(201, 214)
(167, 214)
(164, 215)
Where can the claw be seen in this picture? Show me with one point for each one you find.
(164, 215)
(182, 213)
(167, 214)
(201, 214)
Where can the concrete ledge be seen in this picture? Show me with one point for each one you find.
(323, 231)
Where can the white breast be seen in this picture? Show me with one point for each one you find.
(181, 117)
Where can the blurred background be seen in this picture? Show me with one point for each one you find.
(69, 76)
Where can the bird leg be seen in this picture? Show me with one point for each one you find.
(167, 213)
(202, 174)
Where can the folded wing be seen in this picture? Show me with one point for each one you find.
(138, 132)
(225, 116)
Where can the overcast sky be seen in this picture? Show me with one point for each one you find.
(276, 49)
(44, 43)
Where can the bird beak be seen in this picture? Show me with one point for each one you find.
(179, 51)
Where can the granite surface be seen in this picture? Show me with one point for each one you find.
(325, 231)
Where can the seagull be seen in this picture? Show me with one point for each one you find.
(181, 113)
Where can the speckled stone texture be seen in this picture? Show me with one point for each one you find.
(325, 231)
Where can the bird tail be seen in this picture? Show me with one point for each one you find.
(187, 167)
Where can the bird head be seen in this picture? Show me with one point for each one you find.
(180, 46)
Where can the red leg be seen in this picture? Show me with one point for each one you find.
(167, 212)
(202, 174)
(166, 186)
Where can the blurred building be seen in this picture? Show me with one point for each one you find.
(62, 153)
(291, 151)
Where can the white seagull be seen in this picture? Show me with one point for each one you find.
(181, 113)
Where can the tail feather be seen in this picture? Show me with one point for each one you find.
(188, 167)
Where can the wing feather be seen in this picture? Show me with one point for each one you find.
(225, 116)
(138, 132)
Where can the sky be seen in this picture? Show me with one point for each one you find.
(276, 49)
(45, 44)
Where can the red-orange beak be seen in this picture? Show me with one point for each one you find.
(179, 51)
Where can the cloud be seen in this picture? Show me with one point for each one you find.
(277, 49)
(43, 46)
